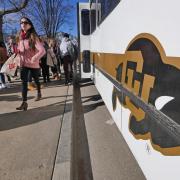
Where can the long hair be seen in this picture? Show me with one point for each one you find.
(31, 34)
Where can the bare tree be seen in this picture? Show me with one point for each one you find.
(49, 15)
(10, 6)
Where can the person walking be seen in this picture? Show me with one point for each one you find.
(3, 58)
(52, 53)
(67, 53)
(11, 46)
(43, 63)
(58, 57)
(11, 49)
(30, 50)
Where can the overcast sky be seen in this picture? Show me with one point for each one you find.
(73, 30)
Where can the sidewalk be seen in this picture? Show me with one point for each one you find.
(49, 141)
(99, 150)
(29, 140)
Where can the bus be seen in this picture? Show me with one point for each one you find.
(131, 50)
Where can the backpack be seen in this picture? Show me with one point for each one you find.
(71, 50)
(67, 48)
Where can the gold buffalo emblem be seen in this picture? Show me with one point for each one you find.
(150, 75)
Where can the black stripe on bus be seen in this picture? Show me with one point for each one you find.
(170, 126)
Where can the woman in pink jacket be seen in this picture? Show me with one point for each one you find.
(30, 50)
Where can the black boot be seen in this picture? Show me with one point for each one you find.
(23, 106)
(39, 96)
(66, 82)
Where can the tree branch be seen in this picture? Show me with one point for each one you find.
(15, 9)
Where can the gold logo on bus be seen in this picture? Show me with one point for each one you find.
(148, 73)
(125, 75)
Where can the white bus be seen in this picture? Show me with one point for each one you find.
(131, 50)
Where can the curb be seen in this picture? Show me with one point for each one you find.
(62, 167)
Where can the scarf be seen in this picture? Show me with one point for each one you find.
(23, 35)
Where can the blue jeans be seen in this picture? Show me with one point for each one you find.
(25, 78)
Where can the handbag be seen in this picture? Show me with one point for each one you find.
(10, 66)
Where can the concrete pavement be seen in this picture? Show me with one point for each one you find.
(109, 155)
(50, 142)
(28, 140)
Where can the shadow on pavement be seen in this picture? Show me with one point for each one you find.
(89, 83)
(88, 108)
(52, 97)
(92, 98)
(23, 118)
(13, 98)
(54, 83)
(16, 87)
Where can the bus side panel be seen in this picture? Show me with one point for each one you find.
(153, 163)
(114, 35)
(105, 88)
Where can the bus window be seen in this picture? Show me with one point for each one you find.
(86, 61)
(105, 7)
(93, 15)
(85, 24)
(93, 20)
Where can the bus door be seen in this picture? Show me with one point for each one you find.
(86, 69)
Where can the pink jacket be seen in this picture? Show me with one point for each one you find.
(30, 58)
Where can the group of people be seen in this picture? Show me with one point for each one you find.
(35, 53)
(3, 55)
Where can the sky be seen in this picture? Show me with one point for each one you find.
(72, 30)
(74, 16)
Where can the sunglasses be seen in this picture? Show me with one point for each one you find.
(24, 22)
